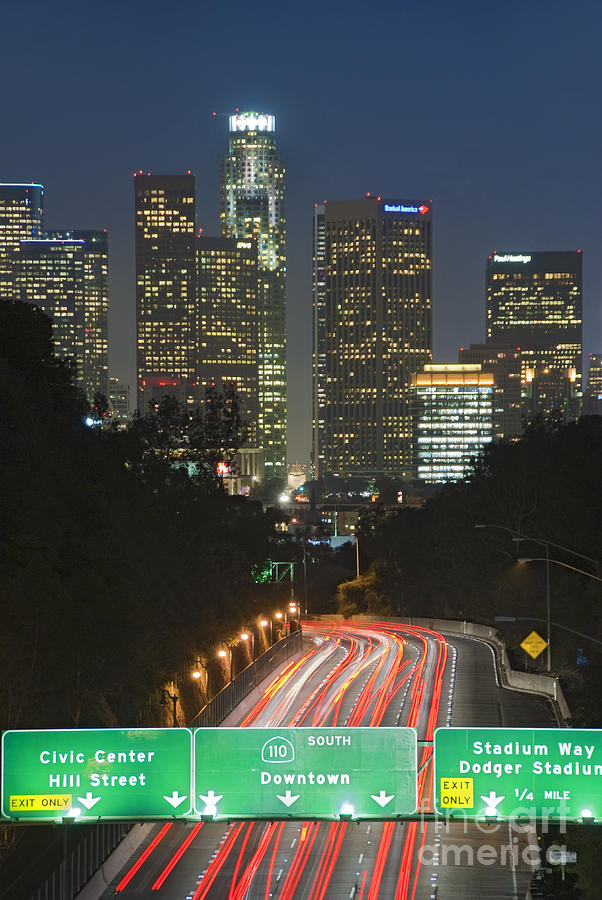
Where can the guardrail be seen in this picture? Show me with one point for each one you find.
(82, 851)
(547, 685)
(230, 696)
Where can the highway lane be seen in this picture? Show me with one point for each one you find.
(349, 674)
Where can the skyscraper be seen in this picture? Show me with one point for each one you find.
(119, 397)
(378, 331)
(593, 395)
(534, 302)
(165, 287)
(453, 419)
(21, 219)
(504, 363)
(318, 339)
(95, 373)
(228, 321)
(252, 206)
(50, 273)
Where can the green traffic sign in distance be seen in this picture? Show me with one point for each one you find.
(308, 773)
(96, 773)
(505, 773)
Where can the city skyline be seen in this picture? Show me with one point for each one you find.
(343, 129)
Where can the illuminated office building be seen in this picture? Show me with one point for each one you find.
(252, 198)
(318, 339)
(453, 419)
(504, 363)
(378, 331)
(50, 273)
(551, 393)
(165, 287)
(534, 303)
(592, 405)
(95, 374)
(21, 218)
(119, 398)
(228, 322)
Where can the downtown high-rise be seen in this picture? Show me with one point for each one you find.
(166, 314)
(21, 219)
(228, 323)
(453, 419)
(377, 331)
(252, 208)
(534, 303)
(50, 274)
(95, 358)
(318, 339)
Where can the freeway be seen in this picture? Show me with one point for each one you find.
(360, 673)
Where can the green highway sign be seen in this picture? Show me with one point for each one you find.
(504, 773)
(312, 773)
(97, 773)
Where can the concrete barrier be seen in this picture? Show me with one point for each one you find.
(102, 878)
(521, 681)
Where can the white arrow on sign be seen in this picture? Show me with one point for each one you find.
(491, 801)
(89, 800)
(382, 799)
(288, 798)
(175, 799)
(211, 801)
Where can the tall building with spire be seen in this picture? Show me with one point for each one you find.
(252, 207)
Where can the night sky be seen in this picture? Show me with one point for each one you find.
(492, 111)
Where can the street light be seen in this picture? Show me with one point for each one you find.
(555, 624)
(545, 545)
(245, 635)
(526, 559)
(526, 537)
(223, 654)
(264, 623)
(517, 535)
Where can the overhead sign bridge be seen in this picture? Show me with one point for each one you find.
(94, 775)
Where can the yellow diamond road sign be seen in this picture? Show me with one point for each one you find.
(533, 644)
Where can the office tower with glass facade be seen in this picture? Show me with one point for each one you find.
(21, 219)
(228, 322)
(453, 419)
(592, 405)
(50, 273)
(378, 331)
(252, 207)
(504, 363)
(534, 303)
(165, 287)
(119, 398)
(318, 339)
(95, 375)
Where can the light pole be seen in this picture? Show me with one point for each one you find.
(245, 635)
(280, 616)
(223, 654)
(558, 562)
(165, 698)
(555, 624)
(264, 624)
(545, 545)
